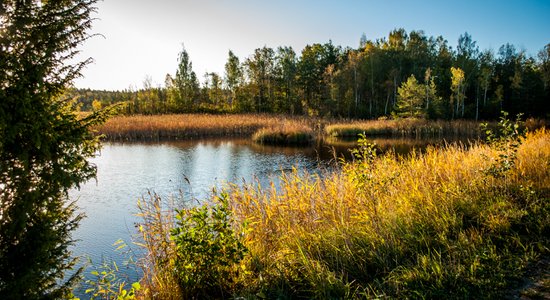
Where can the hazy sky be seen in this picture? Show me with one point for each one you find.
(143, 37)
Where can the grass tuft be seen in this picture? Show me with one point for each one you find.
(288, 133)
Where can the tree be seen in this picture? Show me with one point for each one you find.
(544, 65)
(430, 94)
(457, 86)
(285, 73)
(186, 81)
(410, 99)
(233, 77)
(260, 67)
(215, 93)
(44, 146)
(310, 75)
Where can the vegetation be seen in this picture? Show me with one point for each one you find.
(43, 145)
(188, 126)
(375, 80)
(417, 128)
(452, 222)
(285, 134)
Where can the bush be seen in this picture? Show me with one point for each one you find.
(208, 250)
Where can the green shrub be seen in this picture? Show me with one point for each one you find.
(208, 250)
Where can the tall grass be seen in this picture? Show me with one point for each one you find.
(158, 219)
(188, 126)
(286, 133)
(440, 224)
(431, 225)
(416, 128)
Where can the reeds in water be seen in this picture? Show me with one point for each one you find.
(416, 128)
(287, 133)
(189, 126)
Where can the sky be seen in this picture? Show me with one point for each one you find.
(142, 38)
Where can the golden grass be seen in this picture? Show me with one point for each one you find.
(331, 233)
(186, 126)
(285, 133)
(432, 225)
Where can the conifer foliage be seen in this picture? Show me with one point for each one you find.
(43, 144)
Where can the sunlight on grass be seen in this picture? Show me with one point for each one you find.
(436, 224)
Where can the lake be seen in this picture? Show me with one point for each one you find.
(128, 172)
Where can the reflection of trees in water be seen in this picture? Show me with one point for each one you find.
(325, 150)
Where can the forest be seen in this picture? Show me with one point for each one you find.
(405, 74)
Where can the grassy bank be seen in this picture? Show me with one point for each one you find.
(280, 128)
(453, 223)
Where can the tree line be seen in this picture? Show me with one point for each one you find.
(405, 74)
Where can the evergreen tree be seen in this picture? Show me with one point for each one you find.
(410, 100)
(44, 146)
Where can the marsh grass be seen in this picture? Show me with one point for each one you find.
(415, 128)
(429, 225)
(190, 126)
(157, 221)
(287, 133)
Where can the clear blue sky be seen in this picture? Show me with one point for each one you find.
(143, 37)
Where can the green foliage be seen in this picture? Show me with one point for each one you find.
(44, 146)
(411, 99)
(365, 152)
(108, 285)
(506, 138)
(208, 250)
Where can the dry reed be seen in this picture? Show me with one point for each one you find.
(189, 126)
(394, 226)
(285, 133)
(416, 128)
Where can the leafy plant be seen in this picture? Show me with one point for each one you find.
(506, 140)
(207, 249)
(108, 285)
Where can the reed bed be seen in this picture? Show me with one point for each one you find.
(189, 126)
(448, 223)
(286, 133)
(416, 128)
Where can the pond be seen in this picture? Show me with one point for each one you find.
(128, 172)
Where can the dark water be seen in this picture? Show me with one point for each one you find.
(127, 172)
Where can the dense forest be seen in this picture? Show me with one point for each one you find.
(405, 74)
